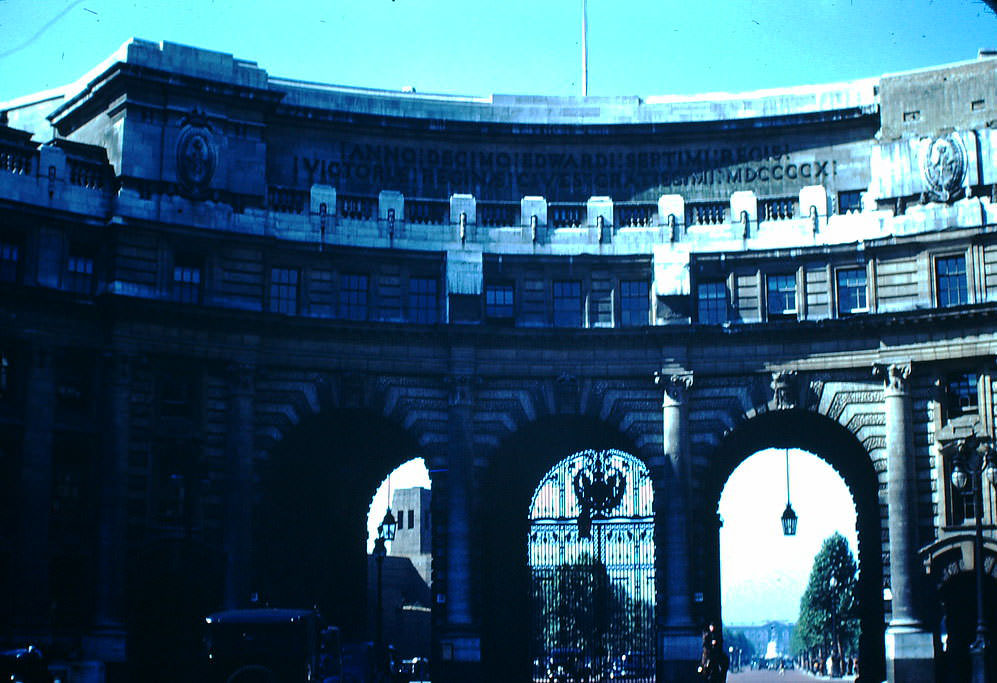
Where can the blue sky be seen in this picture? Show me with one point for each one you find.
(516, 46)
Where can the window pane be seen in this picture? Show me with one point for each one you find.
(962, 394)
(712, 303)
(950, 273)
(187, 283)
(422, 301)
(499, 301)
(852, 291)
(568, 304)
(10, 255)
(849, 201)
(635, 302)
(79, 273)
(781, 295)
(353, 296)
(284, 290)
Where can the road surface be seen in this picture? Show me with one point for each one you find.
(793, 676)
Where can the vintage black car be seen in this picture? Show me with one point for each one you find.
(268, 645)
(24, 665)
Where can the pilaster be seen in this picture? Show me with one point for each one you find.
(680, 643)
(238, 495)
(909, 647)
(108, 640)
(459, 641)
(30, 591)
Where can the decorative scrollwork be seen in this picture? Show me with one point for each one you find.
(599, 488)
(675, 385)
(197, 157)
(894, 376)
(784, 390)
(943, 167)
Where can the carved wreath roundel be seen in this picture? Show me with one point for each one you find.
(943, 165)
(196, 158)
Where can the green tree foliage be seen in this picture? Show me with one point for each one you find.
(828, 607)
(583, 610)
(739, 641)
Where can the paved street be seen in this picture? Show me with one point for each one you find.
(794, 676)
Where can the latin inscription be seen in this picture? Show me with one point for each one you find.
(557, 174)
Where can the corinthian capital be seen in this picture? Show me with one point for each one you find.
(675, 385)
(894, 376)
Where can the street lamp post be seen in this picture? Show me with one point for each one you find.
(974, 460)
(385, 533)
(835, 645)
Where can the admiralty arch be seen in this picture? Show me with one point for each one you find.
(231, 303)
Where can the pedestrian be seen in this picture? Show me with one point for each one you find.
(714, 662)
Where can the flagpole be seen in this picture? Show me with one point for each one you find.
(585, 59)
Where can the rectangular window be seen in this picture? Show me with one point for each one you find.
(411, 519)
(284, 290)
(849, 201)
(499, 302)
(781, 296)
(187, 282)
(423, 304)
(79, 273)
(950, 277)
(635, 302)
(567, 303)
(353, 296)
(711, 303)
(853, 296)
(177, 394)
(175, 479)
(10, 258)
(962, 395)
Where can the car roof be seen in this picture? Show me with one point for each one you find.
(263, 615)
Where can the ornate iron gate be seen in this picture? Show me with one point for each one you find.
(591, 555)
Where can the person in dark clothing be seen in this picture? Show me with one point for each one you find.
(714, 662)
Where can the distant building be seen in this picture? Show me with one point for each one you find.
(406, 599)
(413, 539)
(766, 638)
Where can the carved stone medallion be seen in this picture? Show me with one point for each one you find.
(196, 159)
(943, 166)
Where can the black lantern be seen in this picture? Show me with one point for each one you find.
(386, 529)
(789, 518)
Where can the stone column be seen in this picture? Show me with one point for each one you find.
(460, 642)
(680, 642)
(30, 591)
(108, 641)
(909, 647)
(239, 489)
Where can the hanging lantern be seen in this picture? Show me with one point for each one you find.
(789, 518)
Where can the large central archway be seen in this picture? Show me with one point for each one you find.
(591, 557)
(838, 447)
(506, 492)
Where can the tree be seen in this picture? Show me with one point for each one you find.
(828, 621)
(739, 641)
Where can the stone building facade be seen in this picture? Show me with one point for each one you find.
(232, 303)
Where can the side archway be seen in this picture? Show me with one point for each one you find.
(310, 540)
(837, 446)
